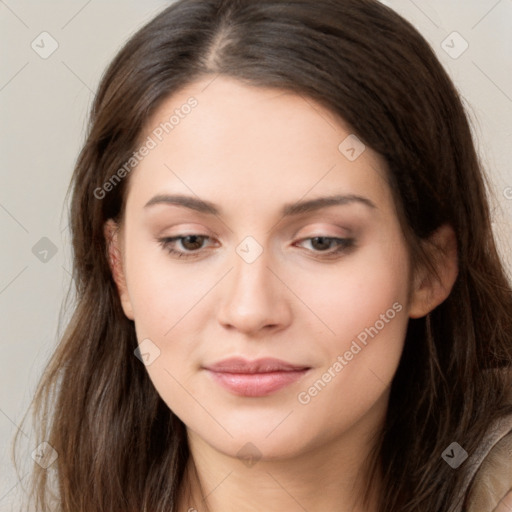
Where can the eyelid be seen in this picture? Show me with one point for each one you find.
(324, 229)
(184, 229)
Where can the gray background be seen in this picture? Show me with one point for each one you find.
(43, 107)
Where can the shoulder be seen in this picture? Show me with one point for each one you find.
(491, 489)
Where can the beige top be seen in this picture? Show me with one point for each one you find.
(488, 486)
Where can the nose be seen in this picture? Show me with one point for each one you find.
(254, 299)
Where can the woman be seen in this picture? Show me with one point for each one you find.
(288, 291)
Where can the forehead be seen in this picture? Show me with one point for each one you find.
(251, 145)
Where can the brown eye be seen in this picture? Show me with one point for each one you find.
(192, 242)
(191, 245)
(329, 245)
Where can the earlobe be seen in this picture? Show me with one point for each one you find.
(431, 290)
(115, 261)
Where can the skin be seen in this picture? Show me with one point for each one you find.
(251, 150)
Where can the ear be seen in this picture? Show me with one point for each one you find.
(431, 290)
(115, 260)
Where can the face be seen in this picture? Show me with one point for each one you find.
(320, 287)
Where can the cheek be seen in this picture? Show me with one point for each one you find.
(366, 308)
(164, 302)
(171, 303)
(353, 294)
(162, 291)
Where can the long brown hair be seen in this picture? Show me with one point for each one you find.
(119, 446)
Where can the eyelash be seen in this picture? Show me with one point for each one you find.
(344, 244)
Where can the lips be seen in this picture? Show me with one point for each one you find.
(260, 377)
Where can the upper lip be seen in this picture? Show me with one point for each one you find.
(264, 365)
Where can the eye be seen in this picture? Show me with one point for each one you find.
(190, 243)
(327, 246)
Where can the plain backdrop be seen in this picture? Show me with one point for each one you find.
(44, 101)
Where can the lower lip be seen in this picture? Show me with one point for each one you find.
(256, 384)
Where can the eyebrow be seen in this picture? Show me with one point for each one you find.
(299, 207)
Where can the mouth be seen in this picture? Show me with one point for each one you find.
(258, 378)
